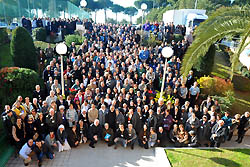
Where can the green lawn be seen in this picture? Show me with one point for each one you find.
(222, 69)
(209, 157)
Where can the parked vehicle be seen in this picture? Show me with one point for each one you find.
(188, 17)
(3, 25)
(13, 25)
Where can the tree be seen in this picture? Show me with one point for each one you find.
(226, 21)
(116, 9)
(22, 49)
(106, 4)
(111, 20)
(131, 11)
(124, 21)
(186, 4)
(76, 2)
(93, 6)
(149, 3)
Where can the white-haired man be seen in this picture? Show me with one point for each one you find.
(217, 134)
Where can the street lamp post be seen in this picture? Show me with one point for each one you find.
(143, 8)
(61, 49)
(167, 52)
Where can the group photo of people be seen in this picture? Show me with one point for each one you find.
(110, 87)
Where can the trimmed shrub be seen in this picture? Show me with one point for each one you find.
(39, 34)
(204, 65)
(150, 40)
(42, 45)
(225, 101)
(6, 60)
(215, 86)
(23, 50)
(178, 37)
(241, 83)
(3, 36)
(15, 81)
(74, 38)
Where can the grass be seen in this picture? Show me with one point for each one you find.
(222, 69)
(5, 56)
(208, 157)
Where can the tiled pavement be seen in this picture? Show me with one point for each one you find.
(105, 156)
(102, 155)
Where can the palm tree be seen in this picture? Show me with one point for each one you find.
(226, 21)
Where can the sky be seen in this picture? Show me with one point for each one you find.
(120, 16)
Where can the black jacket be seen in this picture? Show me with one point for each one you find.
(219, 131)
(95, 130)
(61, 136)
(121, 134)
(73, 137)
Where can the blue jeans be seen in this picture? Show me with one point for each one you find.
(48, 154)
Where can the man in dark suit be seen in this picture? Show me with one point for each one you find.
(217, 134)
(193, 139)
(244, 126)
(204, 131)
(95, 133)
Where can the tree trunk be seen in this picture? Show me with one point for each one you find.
(95, 15)
(116, 17)
(130, 19)
(105, 15)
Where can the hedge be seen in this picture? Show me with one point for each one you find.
(178, 37)
(15, 81)
(43, 45)
(74, 38)
(241, 83)
(3, 36)
(23, 50)
(39, 34)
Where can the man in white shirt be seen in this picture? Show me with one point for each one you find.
(25, 152)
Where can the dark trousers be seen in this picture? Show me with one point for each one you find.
(192, 100)
(143, 145)
(241, 134)
(132, 143)
(214, 143)
(92, 142)
(41, 154)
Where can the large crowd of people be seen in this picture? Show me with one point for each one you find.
(110, 84)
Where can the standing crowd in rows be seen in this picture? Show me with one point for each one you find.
(110, 85)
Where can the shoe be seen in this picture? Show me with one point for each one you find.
(39, 164)
(115, 147)
(26, 164)
(239, 141)
(92, 146)
(132, 147)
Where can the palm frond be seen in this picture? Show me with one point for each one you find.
(241, 47)
(224, 22)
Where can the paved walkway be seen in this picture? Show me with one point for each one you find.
(106, 156)
(102, 155)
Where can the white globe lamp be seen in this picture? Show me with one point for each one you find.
(83, 3)
(144, 6)
(61, 49)
(167, 52)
